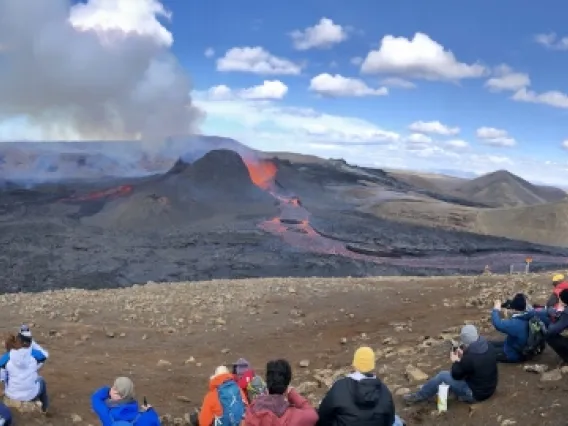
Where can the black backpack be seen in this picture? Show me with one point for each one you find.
(536, 340)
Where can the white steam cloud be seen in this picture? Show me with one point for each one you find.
(101, 69)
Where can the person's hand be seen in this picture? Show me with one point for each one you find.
(288, 391)
(455, 356)
(459, 353)
(146, 407)
(497, 305)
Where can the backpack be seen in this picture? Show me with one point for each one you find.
(231, 401)
(255, 388)
(536, 340)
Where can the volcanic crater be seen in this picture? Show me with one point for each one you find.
(229, 215)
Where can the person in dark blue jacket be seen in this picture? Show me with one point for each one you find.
(516, 328)
(117, 403)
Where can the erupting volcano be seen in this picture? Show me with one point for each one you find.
(227, 213)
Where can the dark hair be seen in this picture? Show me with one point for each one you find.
(563, 296)
(278, 376)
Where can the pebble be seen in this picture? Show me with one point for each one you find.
(164, 363)
(304, 363)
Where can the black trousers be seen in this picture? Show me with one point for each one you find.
(500, 350)
(559, 344)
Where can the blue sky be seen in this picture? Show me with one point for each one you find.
(472, 87)
(487, 33)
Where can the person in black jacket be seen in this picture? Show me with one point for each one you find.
(557, 333)
(359, 399)
(474, 375)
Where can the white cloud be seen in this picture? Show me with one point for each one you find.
(505, 79)
(339, 86)
(323, 35)
(419, 138)
(297, 126)
(209, 52)
(457, 144)
(421, 58)
(105, 15)
(256, 60)
(495, 137)
(553, 98)
(552, 41)
(357, 60)
(398, 82)
(269, 89)
(565, 144)
(433, 127)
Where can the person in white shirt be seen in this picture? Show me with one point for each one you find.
(19, 370)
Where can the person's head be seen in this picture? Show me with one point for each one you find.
(468, 335)
(241, 366)
(557, 279)
(219, 371)
(517, 303)
(364, 360)
(122, 389)
(278, 376)
(563, 296)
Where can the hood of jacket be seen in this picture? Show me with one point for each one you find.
(479, 347)
(21, 358)
(365, 390)
(124, 411)
(274, 404)
(217, 381)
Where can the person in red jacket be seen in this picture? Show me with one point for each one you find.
(559, 282)
(283, 406)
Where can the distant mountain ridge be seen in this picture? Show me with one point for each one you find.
(503, 188)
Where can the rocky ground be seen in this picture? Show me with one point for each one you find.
(170, 337)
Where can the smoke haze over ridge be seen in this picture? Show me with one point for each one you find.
(99, 70)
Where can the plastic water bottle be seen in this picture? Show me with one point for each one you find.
(442, 399)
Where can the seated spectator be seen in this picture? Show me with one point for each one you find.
(516, 328)
(557, 333)
(247, 379)
(283, 405)
(224, 404)
(19, 371)
(559, 283)
(360, 398)
(474, 375)
(118, 404)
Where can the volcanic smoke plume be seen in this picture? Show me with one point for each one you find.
(100, 69)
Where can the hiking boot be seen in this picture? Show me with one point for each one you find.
(412, 398)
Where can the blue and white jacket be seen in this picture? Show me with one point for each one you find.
(19, 372)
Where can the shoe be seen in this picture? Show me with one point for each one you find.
(412, 398)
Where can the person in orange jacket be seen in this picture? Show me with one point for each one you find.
(224, 404)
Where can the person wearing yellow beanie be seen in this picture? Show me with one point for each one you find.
(359, 398)
(364, 360)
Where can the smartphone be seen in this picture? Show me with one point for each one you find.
(145, 402)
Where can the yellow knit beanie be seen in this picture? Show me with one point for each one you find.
(364, 360)
(557, 278)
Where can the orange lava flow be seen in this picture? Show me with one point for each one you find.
(262, 173)
(97, 195)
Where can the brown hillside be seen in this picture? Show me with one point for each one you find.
(502, 188)
(546, 223)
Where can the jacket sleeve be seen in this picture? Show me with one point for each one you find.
(504, 326)
(461, 369)
(552, 300)
(36, 346)
(99, 406)
(151, 418)
(307, 415)
(392, 411)
(328, 405)
(559, 326)
(207, 412)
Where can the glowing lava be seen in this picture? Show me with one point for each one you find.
(262, 172)
(118, 191)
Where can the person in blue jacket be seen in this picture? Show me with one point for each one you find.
(516, 328)
(118, 404)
